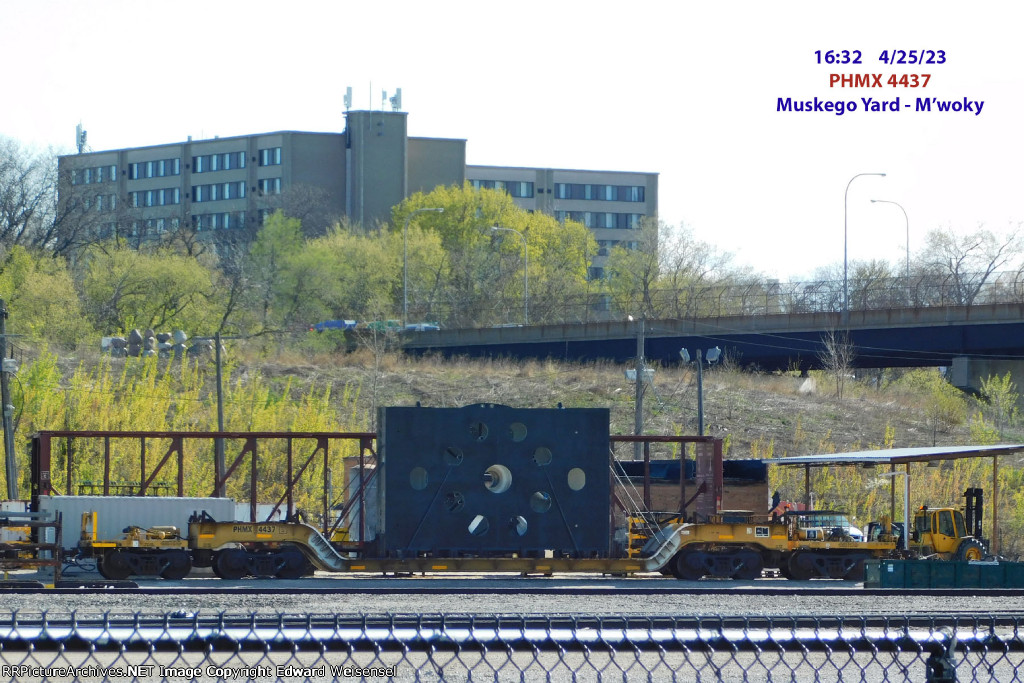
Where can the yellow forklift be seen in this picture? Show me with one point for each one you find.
(949, 534)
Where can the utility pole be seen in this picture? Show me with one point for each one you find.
(5, 401)
(638, 418)
(219, 465)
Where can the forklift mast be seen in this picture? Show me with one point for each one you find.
(973, 498)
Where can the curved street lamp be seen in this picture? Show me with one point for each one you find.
(405, 263)
(907, 220)
(526, 272)
(846, 288)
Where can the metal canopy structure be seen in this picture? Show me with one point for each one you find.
(904, 456)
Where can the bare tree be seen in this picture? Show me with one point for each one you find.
(836, 357)
(28, 194)
(957, 267)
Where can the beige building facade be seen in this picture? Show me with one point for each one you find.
(227, 185)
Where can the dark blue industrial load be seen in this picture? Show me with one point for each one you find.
(490, 480)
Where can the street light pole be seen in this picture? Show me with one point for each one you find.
(907, 220)
(700, 395)
(526, 272)
(405, 262)
(711, 356)
(846, 288)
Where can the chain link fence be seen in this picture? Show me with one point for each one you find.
(726, 298)
(443, 647)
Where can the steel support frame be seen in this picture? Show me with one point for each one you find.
(43, 444)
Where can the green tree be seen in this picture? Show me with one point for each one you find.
(944, 405)
(125, 289)
(41, 297)
(1000, 393)
(275, 285)
(477, 277)
(632, 274)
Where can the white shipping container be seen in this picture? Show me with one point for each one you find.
(117, 512)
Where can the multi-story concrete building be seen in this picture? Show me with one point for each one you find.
(610, 203)
(229, 184)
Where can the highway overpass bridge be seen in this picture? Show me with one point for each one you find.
(974, 340)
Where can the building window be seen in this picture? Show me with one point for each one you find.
(636, 194)
(269, 186)
(218, 191)
(563, 190)
(609, 193)
(96, 174)
(520, 189)
(270, 156)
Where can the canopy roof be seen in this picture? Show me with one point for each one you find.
(899, 456)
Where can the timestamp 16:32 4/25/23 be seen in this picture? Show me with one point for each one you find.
(886, 57)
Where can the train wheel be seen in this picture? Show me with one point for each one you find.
(230, 564)
(179, 564)
(114, 566)
(970, 550)
(800, 568)
(684, 566)
(293, 565)
(752, 567)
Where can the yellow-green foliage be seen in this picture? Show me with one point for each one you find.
(944, 405)
(160, 394)
(125, 288)
(760, 449)
(41, 298)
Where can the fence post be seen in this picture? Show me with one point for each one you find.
(940, 667)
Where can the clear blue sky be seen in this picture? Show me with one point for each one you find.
(685, 89)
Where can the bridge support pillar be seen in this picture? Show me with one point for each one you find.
(966, 373)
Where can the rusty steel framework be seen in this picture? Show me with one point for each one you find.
(42, 455)
(45, 445)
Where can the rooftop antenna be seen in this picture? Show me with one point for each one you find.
(80, 135)
(383, 99)
(348, 98)
(396, 101)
